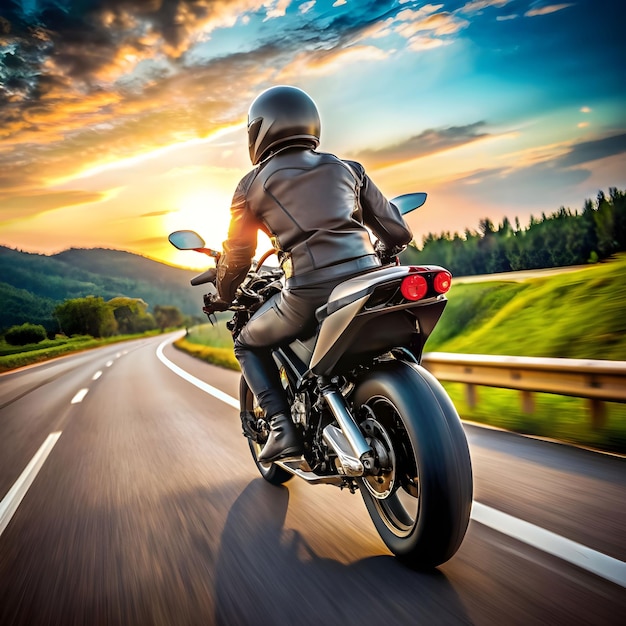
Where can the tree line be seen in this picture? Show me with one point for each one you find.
(562, 238)
(93, 316)
(99, 318)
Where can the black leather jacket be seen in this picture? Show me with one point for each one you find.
(313, 206)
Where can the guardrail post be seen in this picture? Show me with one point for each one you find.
(598, 413)
(471, 396)
(528, 401)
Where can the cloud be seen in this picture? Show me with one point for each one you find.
(427, 27)
(305, 7)
(323, 62)
(541, 183)
(588, 151)
(429, 142)
(24, 206)
(438, 24)
(545, 10)
(475, 6)
(276, 8)
(156, 213)
(59, 68)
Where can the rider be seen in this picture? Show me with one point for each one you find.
(314, 206)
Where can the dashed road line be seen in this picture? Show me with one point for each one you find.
(96, 375)
(12, 500)
(79, 397)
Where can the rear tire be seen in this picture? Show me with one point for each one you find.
(421, 504)
(270, 471)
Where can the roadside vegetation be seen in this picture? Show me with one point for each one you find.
(12, 357)
(85, 323)
(577, 314)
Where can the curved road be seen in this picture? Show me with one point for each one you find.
(129, 497)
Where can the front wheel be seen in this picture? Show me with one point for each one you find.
(420, 502)
(270, 471)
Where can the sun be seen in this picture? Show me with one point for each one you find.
(205, 211)
(208, 213)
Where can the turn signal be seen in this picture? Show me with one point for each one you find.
(442, 282)
(414, 287)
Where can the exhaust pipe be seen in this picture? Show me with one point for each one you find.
(350, 466)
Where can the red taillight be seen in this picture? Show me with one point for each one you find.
(414, 287)
(442, 282)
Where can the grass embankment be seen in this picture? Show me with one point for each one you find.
(213, 344)
(12, 357)
(578, 314)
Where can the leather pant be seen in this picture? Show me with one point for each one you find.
(285, 317)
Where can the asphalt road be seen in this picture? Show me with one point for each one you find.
(129, 497)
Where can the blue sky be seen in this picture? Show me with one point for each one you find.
(120, 120)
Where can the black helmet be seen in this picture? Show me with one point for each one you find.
(281, 115)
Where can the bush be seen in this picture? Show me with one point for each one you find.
(25, 334)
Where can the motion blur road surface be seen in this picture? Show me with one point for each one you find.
(147, 509)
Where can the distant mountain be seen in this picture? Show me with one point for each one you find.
(31, 285)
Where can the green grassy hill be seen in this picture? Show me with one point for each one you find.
(31, 285)
(577, 314)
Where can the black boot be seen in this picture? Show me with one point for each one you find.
(283, 440)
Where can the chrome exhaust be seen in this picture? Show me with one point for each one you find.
(350, 466)
(348, 442)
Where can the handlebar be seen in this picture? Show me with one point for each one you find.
(209, 252)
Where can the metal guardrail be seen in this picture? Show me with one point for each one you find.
(597, 381)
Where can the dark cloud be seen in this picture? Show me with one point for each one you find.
(62, 60)
(588, 151)
(63, 51)
(426, 143)
(542, 182)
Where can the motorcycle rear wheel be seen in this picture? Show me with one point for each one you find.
(270, 471)
(421, 504)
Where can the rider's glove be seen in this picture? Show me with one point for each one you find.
(213, 303)
(388, 256)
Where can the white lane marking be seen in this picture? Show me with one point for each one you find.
(96, 375)
(600, 564)
(12, 500)
(109, 363)
(79, 397)
(216, 393)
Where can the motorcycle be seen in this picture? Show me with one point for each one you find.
(372, 419)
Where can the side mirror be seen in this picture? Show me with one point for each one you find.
(186, 240)
(409, 202)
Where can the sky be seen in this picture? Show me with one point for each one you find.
(121, 120)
